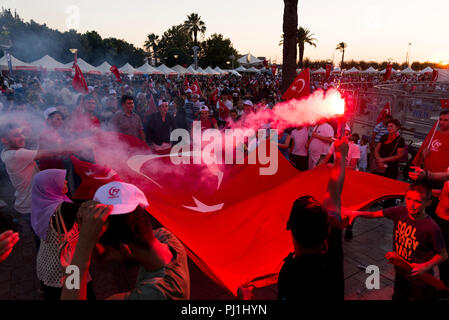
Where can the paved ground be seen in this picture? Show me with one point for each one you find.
(372, 239)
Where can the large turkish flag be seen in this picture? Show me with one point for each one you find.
(300, 87)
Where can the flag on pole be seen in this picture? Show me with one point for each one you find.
(434, 75)
(186, 82)
(385, 111)
(418, 160)
(213, 96)
(328, 70)
(196, 88)
(78, 82)
(388, 72)
(300, 87)
(116, 73)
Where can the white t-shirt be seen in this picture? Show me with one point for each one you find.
(353, 152)
(21, 169)
(318, 146)
(300, 138)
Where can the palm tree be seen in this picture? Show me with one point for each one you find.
(303, 37)
(341, 47)
(193, 25)
(289, 27)
(151, 44)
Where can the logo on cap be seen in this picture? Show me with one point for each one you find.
(113, 192)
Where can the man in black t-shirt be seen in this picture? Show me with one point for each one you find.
(417, 239)
(315, 270)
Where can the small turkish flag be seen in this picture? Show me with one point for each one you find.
(78, 82)
(273, 69)
(196, 88)
(114, 70)
(434, 75)
(300, 87)
(186, 82)
(213, 96)
(328, 70)
(223, 110)
(444, 103)
(385, 111)
(388, 72)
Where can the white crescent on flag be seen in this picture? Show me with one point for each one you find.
(194, 88)
(303, 84)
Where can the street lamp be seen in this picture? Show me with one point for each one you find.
(195, 55)
(75, 52)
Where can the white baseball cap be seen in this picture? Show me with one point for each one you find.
(248, 103)
(49, 111)
(188, 91)
(204, 108)
(124, 197)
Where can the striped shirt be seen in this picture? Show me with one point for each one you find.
(380, 130)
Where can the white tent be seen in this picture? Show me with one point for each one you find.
(212, 72)
(147, 69)
(16, 64)
(408, 71)
(217, 69)
(84, 66)
(240, 69)
(443, 75)
(427, 70)
(320, 70)
(166, 70)
(249, 59)
(191, 70)
(336, 70)
(129, 69)
(180, 69)
(370, 70)
(201, 71)
(352, 70)
(384, 70)
(253, 70)
(50, 64)
(235, 73)
(105, 68)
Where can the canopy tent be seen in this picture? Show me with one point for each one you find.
(217, 69)
(320, 70)
(427, 70)
(180, 69)
(408, 71)
(16, 64)
(253, 70)
(84, 66)
(191, 70)
(240, 69)
(248, 60)
(129, 69)
(202, 71)
(336, 70)
(147, 69)
(50, 64)
(353, 70)
(105, 68)
(443, 75)
(233, 72)
(370, 70)
(212, 72)
(384, 70)
(166, 70)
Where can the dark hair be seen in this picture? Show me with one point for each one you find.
(124, 98)
(396, 122)
(308, 222)
(88, 97)
(444, 112)
(132, 228)
(233, 110)
(422, 189)
(355, 137)
(6, 128)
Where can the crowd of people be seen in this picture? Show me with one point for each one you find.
(42, 118)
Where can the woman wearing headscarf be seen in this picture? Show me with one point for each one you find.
(53, 219)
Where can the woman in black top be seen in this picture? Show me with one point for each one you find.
(390, 149)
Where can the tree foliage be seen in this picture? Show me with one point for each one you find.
(216, 51)
(31, 40)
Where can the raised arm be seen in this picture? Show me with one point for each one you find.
(332, 199)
